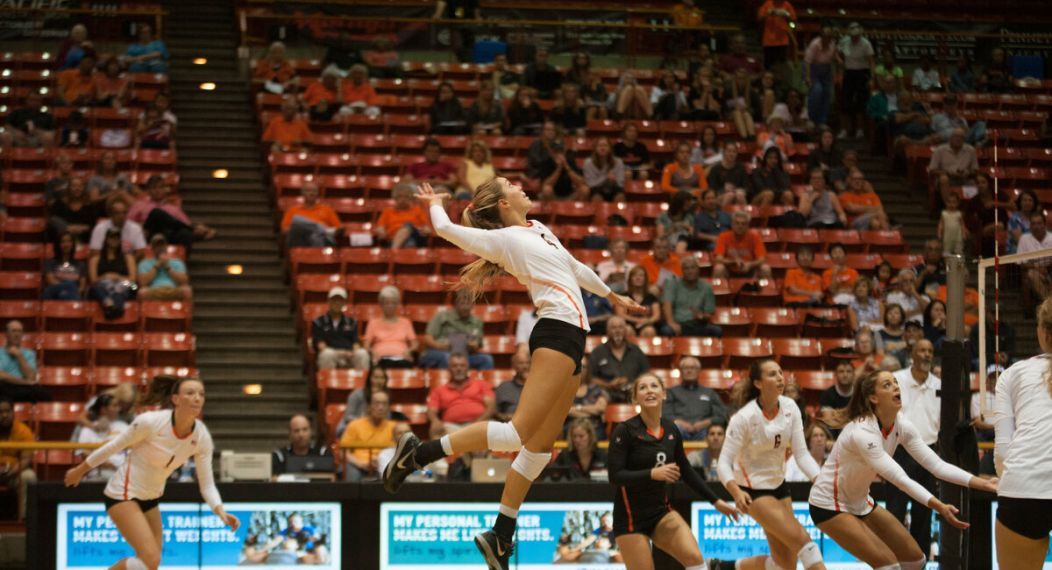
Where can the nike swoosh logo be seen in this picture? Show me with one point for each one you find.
(401, 462)
(500, 550)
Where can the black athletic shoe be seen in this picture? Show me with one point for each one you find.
(402, 464)
(494, 550)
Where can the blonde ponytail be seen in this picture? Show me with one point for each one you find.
(1044, 325)
(482, 213)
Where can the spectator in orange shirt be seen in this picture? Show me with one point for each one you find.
(276, 71)
(740, 251)
(859, 200)
(76, 87)
(322, 99)
(358, 94)
(289, 131)
(776, 17)
(682, 176)
(405, 224)
(661, 264)
(776, 135)
(16, 467)
(311, 224)
(803, 287)
(839, 280)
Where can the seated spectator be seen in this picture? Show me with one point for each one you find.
(288, 131)
(150, 55)
(461, 401)
(159, 213)
(1038, 277)
(614, 270)
(833, 400)
(312, 223)
(358, 400)
(826, 155)
(322, 98)
(906, 295)
(984, 214)
(708, 152)
(677, 223)
(504, 78)
(510, 390)
(485, 116)
(682, 176)
(73, 211)
(925, 76)
(983, 423)
(589, 402)
(112, 274)
(570, 112)
(551, 169)
(803, 286)
(64, 275)
(162, 277)
(76, 86)
(869, 356)
(882, 279)
(341, 53)
(706, 461)
(582, 456)
(525, 117)
(358, 94)
(839, 279)
(541, 76)
(390, 338)
(884, 103)
(129, 234)
(476, 168)
(18, 368)
(374, 429)
(598, 310)
(108, 183)
(631, 100)
(615, 364)
(770, 181)
(383, 59)
(738, 58)
(932, 270)
(633, 153)
(944, 123)
(1026, 203)
(710, 221)
(691, 406)
(740, 251)
(105, 416)
(704, 101)
(893, 333)
(31, 125)
(111, 85)
(963, 80)
(863, 204)
(455, 331)
(819, 203)
(75, 133)
(840, 173)
(935, 322)
(864, 310)
(643, 325)
(15, 467)
(301, 444)
(953, 163)
(335, 336)
(888, 66)
(910, 123)
(74, 48)
(433, 170)
(728, 177)
(996, 76)
(593, 94)
(689, 304)
(60, 179)
(776, 137)
(661, 264)
(447, 114)
(668, 98)
(952, 230)
(154, 130)
(742, 101)
(404, 224)
(819, 442)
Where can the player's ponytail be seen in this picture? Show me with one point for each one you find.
(859, 406)
(1044, 325)
(160, 390)
(747, 391)
(482, 213)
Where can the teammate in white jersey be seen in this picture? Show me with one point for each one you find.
(840, 502)
(760, 437)
(159, 442)
(495, 228)
(1023, 456)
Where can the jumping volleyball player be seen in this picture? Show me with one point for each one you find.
(495, 228)
(160, 443)
(840, 502)
(646, 453)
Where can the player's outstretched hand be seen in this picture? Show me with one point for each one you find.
(428, 194)
(742, 500)
(230, 520)
(627, 303)
(949, 512)
(732, 512)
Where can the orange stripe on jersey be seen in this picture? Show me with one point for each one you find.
(569, 297)
(745, 474)
(127, 476)
(836, 487)
(628, 509)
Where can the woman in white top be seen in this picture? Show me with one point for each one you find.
(160, 442)
(1023, 457)
(477, 166)
(495, 228)
(105, 416)
(874, 428)
(752, 467)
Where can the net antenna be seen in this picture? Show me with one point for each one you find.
(983, 264)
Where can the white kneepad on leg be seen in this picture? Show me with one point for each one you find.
(501, 436)
(769, 564)
(915, 565)
(809, 555)
(889, 567)
(530, 464)
(135, 564)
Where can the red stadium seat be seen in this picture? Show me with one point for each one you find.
(315, 260)
(365, 261)
(64, 349)
(335, 384)
(116, 349)
(451, 260)
(341, 186)
(814, 380)
(66, 384)
(421, 315)
(26, 312)
(24, 230)
(416, 416)
(432, 289)
(52, 464)
(364, 289)
(734, 321)
(572, 212)
(797, 353)
(795, 238)
(496, 319)
(130, 321)
(769, 293)
(823, 323)
(850, 239)
(511, 292)
(56, 420)
(717, 378)
(312, 288)
(884, 241)
(501, 347)
(659, 350)
(166, 316)
(105, 377)
(68, 316)
(740, 352)
(418, 261)
(21, 256)
(708, 350)
(617, 413)
(168, 349)
(774, 322)
(333, 413)
(407, 386)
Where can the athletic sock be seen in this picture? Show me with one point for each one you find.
(504, 528)
(429, 452)
(728, 565)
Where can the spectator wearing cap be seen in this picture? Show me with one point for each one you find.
(18, 368)
(455, 330)
(158, 213)
(301, 444)
(691, 406)
(335, 336)
(856, 55)
(312, 223)
(163, 277)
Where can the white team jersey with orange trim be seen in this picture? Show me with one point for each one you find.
(533, 255)
(757, 447)
(1024, 430)
(155, 452)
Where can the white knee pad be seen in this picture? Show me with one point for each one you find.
(889, 567)
(769, 564)
(915, 565)
(135, 564)
(529, 464)
(501, 436)
(809, 555)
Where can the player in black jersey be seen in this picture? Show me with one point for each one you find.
(646, 454)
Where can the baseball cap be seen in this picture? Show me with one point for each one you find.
(854, 28)
(337, 292)
(994, 369)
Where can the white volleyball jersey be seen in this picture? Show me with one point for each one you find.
(864, 451)
(1024, 430)
(533, 255)
(155, 452)
(757, 447)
